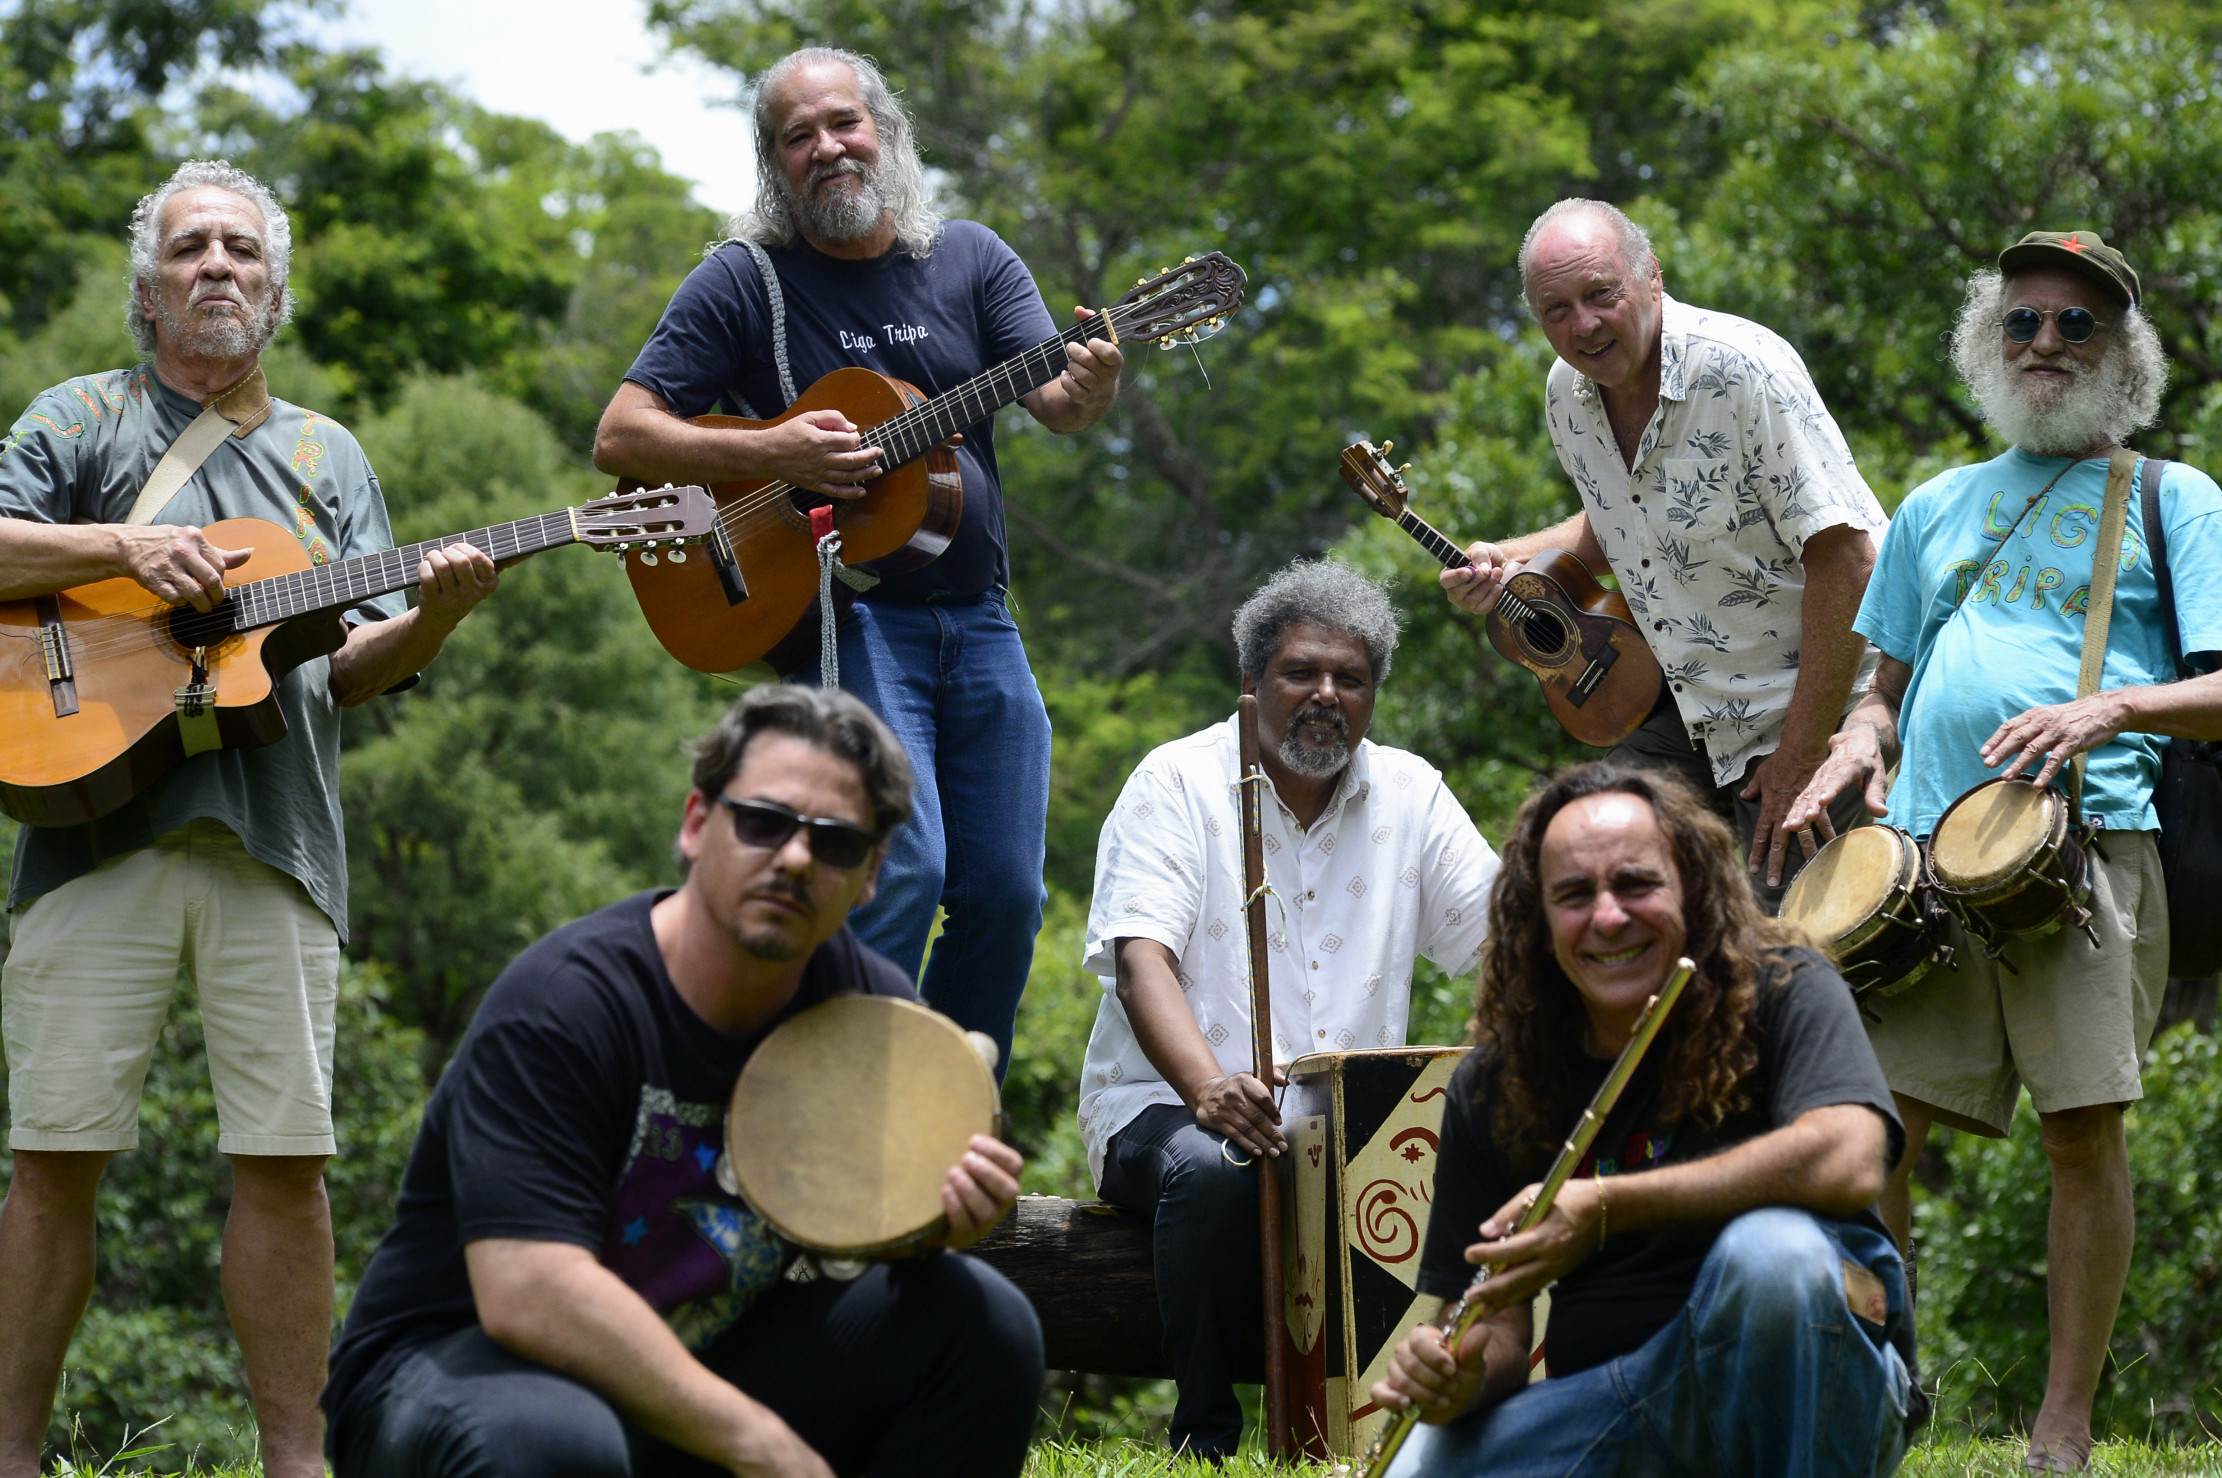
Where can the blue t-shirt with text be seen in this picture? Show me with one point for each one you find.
(2021, 575)
(966, 307)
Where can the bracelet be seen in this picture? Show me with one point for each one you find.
(1604, 1218)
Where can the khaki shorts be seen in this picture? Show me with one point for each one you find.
(2073, 1024)
(88, 984)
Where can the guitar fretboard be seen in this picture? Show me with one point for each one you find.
(332, 587)
(1509, 606)
(912, 433)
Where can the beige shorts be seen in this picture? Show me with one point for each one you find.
(2073, 1024)
(94, 964)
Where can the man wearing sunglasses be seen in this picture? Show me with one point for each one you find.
(570, 1286)
(1372, 861)
(1978, 604)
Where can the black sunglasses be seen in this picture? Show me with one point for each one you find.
(2076, 325)
(768, 824)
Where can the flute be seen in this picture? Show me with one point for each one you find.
(1465, 1313)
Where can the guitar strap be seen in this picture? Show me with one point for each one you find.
(234, 411)
(2098, 616)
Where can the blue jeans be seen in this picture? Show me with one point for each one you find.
(916, 1369)
(952, 681)
(1764, 1372)
(1203, 1216)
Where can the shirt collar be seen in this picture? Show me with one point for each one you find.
(1354, 784)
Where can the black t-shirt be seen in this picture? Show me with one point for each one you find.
(1813, 1053)
(586, 1105)
(968, 307)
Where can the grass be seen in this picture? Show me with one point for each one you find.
(1939, 1457)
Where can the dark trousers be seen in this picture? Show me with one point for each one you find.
(920, 1368)
(1204, 1246)
(1663, 744)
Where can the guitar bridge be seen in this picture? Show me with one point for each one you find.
(1600, 666)
(61, 675)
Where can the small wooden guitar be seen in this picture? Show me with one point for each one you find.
(741, 604)
(104, 690)
(1553, 618)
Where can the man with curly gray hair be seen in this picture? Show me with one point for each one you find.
(1372, 862)
(231, 866)
(844, 264)
(1978, 606)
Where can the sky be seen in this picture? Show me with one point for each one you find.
(581, 66)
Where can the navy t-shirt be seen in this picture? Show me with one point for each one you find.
(967, 307)
(1813, 1053)
(586, 1105)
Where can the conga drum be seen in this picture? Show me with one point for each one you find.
(2006, 860)
(847, 1118)
(1866, 898)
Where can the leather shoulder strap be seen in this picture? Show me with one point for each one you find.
(234, 411)
(2098, 615)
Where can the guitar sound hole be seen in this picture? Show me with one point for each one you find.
(1544, 634)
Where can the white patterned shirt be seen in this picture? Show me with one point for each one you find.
(1740, 465)
(1393, 868)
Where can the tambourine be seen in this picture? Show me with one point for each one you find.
(847, 1118)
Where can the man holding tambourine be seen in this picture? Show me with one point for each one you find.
(581, 1278)
(1989, 583)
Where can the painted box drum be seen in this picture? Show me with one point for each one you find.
(1362, 1130)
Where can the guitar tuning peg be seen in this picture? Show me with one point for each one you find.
(1140, 280)
(1407, 467)
(1186, 260)
(678, 555)
(647, 556)
(1387, 447)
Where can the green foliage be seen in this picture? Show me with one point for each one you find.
(155, 1343)
(1983, 1265)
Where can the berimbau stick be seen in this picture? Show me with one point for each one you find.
(1278, 1436)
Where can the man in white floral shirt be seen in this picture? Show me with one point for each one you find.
(1718, 490)
(1371, 861)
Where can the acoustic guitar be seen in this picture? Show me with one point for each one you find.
(1553, 618)
(104, 689)
(741, 604)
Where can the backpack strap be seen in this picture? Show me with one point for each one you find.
(2156, 540)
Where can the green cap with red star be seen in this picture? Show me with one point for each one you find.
(2076, 251)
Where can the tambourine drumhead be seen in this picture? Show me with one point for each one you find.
(1847, 882)
(847, 1118)
(1992, 833)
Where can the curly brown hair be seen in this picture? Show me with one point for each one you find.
(1530, 1015)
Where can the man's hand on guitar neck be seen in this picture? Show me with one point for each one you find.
(1477, 587)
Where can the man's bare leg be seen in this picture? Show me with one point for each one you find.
(278, 1291)
(2088, 1236)
(46, 1275)
(1897, 1197)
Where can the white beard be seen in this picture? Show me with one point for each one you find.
(845, 216)
(2055, 420)
(198, 335)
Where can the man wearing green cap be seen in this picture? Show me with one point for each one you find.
(1977, 604)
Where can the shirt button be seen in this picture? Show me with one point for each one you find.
(1315, 964)
(1658, 626)
(1635, 497)
(1322, 1032)
(1646, 564)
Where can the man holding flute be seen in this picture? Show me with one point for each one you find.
(1370, 861)
(1727, 1299)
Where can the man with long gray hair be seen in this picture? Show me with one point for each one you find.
(844, 262)
(1375, 862)
(231, 866)
(1978, 606)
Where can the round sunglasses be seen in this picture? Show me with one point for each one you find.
(768, 824)
(2076, 325)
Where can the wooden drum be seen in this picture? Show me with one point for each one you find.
(2005, 860)
(847, 1118)
(1362, 1129)
(1866, 898)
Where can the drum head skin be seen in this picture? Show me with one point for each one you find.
(1847, 882)
(847, 1118)
(1991, 834)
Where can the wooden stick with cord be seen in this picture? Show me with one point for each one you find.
(1279, 1439)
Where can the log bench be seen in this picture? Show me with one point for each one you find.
(1086, 1267)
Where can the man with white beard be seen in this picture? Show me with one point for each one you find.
(843, 261)
(232, 866)
(1977, 605)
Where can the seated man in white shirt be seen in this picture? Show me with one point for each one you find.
(1371, 861)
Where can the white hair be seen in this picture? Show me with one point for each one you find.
(1635, 246)
(146, 231)
(902, 175)
(2110, 404)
